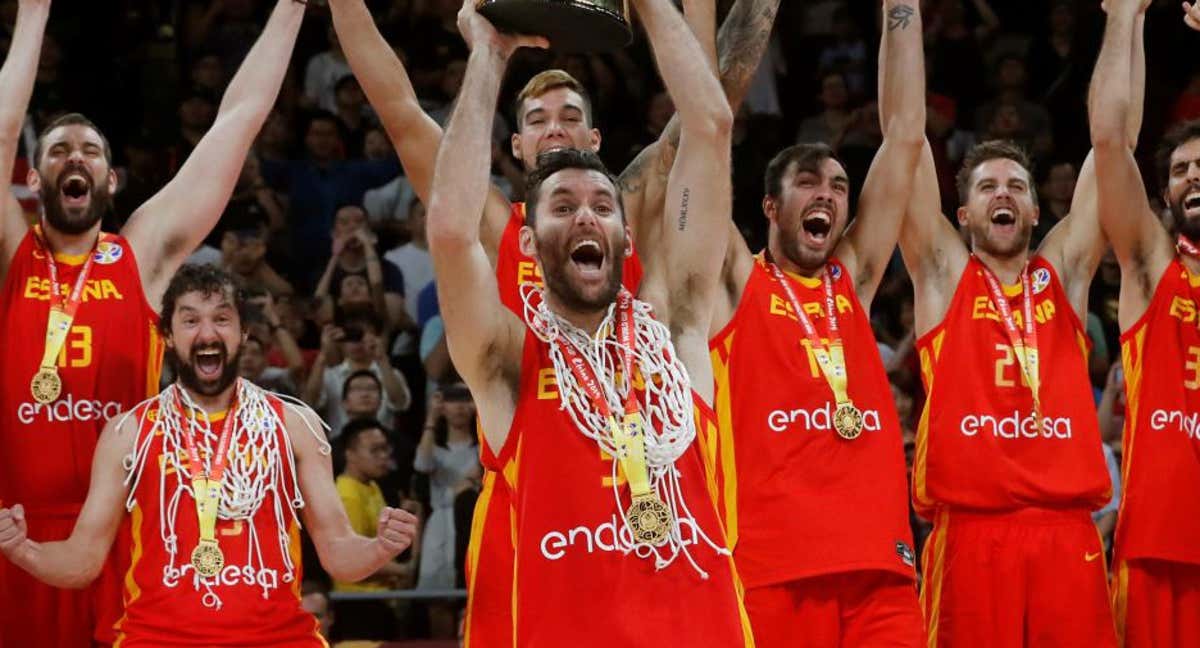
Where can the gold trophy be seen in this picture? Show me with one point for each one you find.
(572, 26)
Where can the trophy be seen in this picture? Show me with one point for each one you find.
(571, 26)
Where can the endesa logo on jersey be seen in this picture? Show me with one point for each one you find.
(66, 410)
(1015, 426)
(556, 545)
(1188, 423)
(819, 419)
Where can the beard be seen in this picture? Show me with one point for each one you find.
(554, 269)
(1188, 227)
(805, 259)
(1018, 245)
(72, 221)
(185, 370)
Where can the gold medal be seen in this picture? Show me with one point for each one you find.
(207, 558)
(46, 386)
(649, 520)
(848, 421)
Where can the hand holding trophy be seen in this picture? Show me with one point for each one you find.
(571, 25)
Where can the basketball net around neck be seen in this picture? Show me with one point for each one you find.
(258, 450)
(666, 405)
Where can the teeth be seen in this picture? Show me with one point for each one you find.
(819, 216)
(580, 245)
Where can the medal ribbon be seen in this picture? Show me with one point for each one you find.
(62, 310)
(831, 358)
(1025, 343)
(628, 434)
(206, 486)
(1186, 247)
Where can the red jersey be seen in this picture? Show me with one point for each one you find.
(800, 500)
(514, 268)
(573, 583)
(1160, 511)
(978, 446)
(255, 599)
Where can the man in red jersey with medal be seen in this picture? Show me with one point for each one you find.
(553, 111)
(1157, 556)
(1008, 462)
(810, 459)
(80, 308)
(617, 536)
(216, 474)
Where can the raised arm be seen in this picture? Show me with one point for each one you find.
(344, 554)
(698, 195)
(483, 336)
(16, 87)
(76, 561)
(872, 236)
(169, 227)
(1138, 239)
(414, 134)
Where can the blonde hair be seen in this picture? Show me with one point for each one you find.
(544, 82)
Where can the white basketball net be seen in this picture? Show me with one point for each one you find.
(258, 449)
(666, 405)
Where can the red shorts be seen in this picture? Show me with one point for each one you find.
(865, 608)
(1157, 603)
(35, 614)
(1024, 579)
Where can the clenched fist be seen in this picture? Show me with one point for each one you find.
(13, 531)
(396, 530)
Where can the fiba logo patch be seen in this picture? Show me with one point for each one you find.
(108, 253)
(1041, 279)
(835, 271)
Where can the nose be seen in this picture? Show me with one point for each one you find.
(1193, 173)
(555, 129)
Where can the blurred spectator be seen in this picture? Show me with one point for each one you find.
(354, 255)
(357, 339)
(208, 73)
(1056, 188)
(197, 110)
(244, 254)
(1011, 115)
(412, 258)
(847, 54)
(658, 114)
(354, 113)
(448, 453)
(835, 114)
(227, 28)
(266, 333)
(323, 72)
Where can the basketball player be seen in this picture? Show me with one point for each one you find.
(215, 473)
(553, 111)
(80, 307)
(810, 451)
(1157, 561)
(1008, 462)
(589, 570)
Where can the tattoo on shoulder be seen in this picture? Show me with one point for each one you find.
(899, 17)
(683, 209)
(631, 180)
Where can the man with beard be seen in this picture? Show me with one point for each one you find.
(91, 297)
(649, 572)
(552, 112)
(1008, 461)
(1157, 560)
(215, 474)
(807, 423)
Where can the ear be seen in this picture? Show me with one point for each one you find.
(770, 208)
(1037, 214)
(112, 182)
(595, 140)
(962, 215)
(628, 241)
(516, 145)
(33, 179)
(528, 242)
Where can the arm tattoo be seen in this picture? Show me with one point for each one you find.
(899, 17)
(741, 42)
(683, 209)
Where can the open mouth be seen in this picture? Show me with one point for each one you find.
(209, 363)
(1004, 216)
(76, 189)
(588, 257)
(817, 225)
(1191, 202)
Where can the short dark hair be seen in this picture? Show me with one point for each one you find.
(987, 151)
(69, 119)
(550, 163)
(358, 315)
(361, 373)
(356, 428)
(206, 279)
(1173, 139)
(325, 116)
(807, 157)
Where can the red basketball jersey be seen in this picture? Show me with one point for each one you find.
(978, 446)
(514, 268)
(1160, 510)
(110, 362)
(255, 599)
(573, 585)
(801, 501)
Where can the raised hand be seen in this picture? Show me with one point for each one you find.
(1191, 14)
(396, 530)
(479, 32)
(13, 530)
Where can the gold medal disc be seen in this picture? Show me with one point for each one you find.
(848, 421)
(207, 558)
(46, 386)
(649, 520)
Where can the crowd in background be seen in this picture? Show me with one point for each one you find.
(329, 237)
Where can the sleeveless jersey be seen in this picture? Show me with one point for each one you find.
(572, 584)
(801, 501)
(978, 446)
(253, 601)
(109, 363)
(489, 561)
(1160, 512)
(514, 268)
